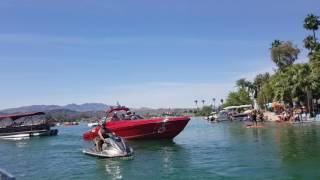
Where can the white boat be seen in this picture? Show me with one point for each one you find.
(212, 117)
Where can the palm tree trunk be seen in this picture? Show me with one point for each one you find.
(264, 103)
(314, 35)
(309, 101)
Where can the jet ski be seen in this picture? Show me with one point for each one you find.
(114, 146)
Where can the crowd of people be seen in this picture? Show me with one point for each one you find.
(291, 114)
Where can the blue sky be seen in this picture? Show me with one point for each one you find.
(141, 53)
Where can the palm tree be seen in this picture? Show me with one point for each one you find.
(301, 76)
(276, 43)
(196, 101)
(214, 103)
(312, 22)
(260, 80)
(315, 64)
(244, 84)
(203, 102)
(310, 43)
(241, 83)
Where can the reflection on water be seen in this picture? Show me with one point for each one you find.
(299, 150)
(112, 167)
(22, 144)
(161, 158)
(167, 159)
(299, 143)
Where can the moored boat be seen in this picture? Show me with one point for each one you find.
(10, 128)
(238, 112)
(71, 123)
(135, 127)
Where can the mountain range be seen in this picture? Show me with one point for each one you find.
(83, 112)
(73, 107)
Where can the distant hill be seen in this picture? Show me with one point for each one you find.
(70, 115)
(85, 112)
(87, 107)
(73, 107)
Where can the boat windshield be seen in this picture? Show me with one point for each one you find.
(122, 115)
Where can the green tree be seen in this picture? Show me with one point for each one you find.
(205, 111)
(284, 54)
(300, 75)
(244, 84)
(310, 43)
(265, 95)
(258, 83)
(241, 83)
(303, 84)
(238, 98)
(281, 86)
(315, 69)
(312, 22)
(315, 63)
(260, 80)
(292, 84)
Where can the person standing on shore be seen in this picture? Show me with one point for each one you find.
(254, 117)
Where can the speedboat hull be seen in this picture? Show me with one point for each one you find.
(157, 128)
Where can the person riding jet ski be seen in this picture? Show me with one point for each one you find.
(103, 134)
(108, 144)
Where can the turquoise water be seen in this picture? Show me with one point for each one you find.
(202, 151)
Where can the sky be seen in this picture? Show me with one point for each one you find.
(140, 53)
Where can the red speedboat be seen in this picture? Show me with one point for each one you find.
(135, 127)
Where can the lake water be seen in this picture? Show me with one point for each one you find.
(202, 151)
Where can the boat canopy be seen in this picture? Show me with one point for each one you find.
(111, 109)
(245, 106)
(238, 107)
(230, 107)
(20, 115)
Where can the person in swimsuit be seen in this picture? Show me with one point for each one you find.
(103, 133)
